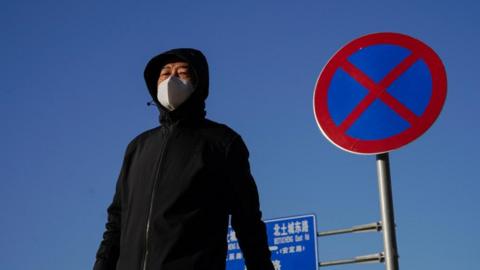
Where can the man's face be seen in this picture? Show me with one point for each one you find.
(178, 69)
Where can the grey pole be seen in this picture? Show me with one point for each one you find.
(378, 257)
(376, 226)
(386, 206)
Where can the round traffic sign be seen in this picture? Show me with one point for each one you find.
(379, 93)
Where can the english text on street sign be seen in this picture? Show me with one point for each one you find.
(292, 241)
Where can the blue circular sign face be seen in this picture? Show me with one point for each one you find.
(379, 92)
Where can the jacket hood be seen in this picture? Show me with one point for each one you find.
(194, 106)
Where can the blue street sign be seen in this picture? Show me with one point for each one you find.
(292, 241)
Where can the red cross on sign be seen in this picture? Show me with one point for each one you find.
(379, 93)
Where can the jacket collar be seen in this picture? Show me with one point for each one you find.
(192, 111)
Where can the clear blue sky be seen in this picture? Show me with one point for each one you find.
(72, 96)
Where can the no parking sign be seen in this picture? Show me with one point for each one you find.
(379, 93)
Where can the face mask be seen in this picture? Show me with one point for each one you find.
(173, 91)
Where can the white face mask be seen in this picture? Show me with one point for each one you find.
(173, 91)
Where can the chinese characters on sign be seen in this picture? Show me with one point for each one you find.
(292, 242)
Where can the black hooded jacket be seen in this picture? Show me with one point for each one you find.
(178, 185)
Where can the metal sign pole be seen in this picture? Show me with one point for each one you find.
(386, 206)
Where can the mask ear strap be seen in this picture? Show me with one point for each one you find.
(194, 79)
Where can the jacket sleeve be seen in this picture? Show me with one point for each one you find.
(245, 209)
(109, 249)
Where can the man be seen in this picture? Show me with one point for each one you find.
(179, 183)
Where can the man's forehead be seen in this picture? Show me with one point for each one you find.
(176, 64)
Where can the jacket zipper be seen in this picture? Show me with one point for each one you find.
(152, 196)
